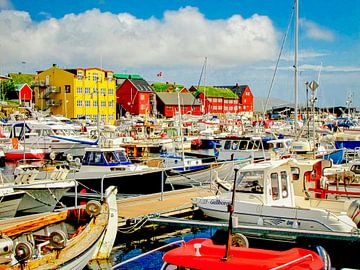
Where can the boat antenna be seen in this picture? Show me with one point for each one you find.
(231, 211)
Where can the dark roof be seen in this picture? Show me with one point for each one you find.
(171, 98)
(141, 85)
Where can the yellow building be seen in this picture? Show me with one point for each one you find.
(77, 93)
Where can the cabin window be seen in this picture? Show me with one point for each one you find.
(97, 158)
(355, 169)
(110, 158)
(275, 186)
(243, 145)
(235, 145)
(284, 186)
(227, 145)
(251, 182)
(295, 173)
(122, 156)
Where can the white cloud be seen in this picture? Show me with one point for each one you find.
(6, 4)
(315, 31)
(182, 37)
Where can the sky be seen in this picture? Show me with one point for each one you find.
(242, 41)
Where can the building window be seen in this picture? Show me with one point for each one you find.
(79, 103)
(111, 91)
(95, 77)
(88, 76)
(111, 117)
(103, 104)
(103, 118)
(142, 107)
(87, 90)
(78, 90)
(95, 116)
(95, 90)
(111, 103)
(142, 97)
(95, 103)
(87, 103)
(80, 75)
(103, 91)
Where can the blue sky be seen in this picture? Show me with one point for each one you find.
(241, 40)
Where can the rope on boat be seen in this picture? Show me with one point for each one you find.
(56, 199)
(133, 228)
(92, 190)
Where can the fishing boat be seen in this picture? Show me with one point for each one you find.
(265, 197)
(61, 240)
(202, 253)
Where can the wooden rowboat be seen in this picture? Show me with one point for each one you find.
(63, 240)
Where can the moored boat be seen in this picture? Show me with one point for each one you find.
(202, 253)
(63, 240)
(102, 167)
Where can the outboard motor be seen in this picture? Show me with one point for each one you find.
(354, 212)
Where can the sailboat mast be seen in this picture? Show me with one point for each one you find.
(204, 83)
(296, 77)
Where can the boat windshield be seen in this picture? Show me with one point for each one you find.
(122, 156)
(251, 182)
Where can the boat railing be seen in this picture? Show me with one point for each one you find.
(179, 242)
(294, 262)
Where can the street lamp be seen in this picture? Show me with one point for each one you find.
(313, 86)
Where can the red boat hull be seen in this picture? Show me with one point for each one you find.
(209, 256)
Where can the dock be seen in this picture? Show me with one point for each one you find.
(159, 204)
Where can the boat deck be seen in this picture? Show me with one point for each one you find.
(170, 203)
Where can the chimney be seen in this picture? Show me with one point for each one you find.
(237, 85)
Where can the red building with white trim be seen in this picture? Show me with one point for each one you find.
(246, 98)
(135, 96)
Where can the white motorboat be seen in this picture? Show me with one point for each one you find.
(265, 197)
(111, 166)
(41, 195)
(51, 137)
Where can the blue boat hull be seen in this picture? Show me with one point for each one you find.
(337, 156)
(347, 144)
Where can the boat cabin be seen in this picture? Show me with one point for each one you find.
(105, 157)
(268, 181)
(242, 147)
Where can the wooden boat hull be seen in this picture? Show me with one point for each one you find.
(84, 242)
